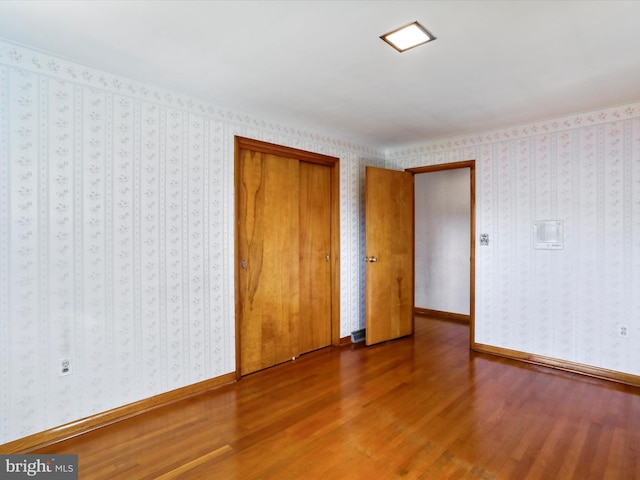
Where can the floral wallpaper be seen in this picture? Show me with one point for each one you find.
(116, 236)
(583, 169)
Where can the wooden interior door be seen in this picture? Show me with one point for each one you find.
(315, 257)
(286, 217)
(389, 207)
(269, 287)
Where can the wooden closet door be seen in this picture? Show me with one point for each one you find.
(315, 259)
(269, 230)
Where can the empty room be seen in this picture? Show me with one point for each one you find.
(308, 239)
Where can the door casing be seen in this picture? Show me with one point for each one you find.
(471, 165)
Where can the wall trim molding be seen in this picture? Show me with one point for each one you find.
(565, 365)
(102, 419)
(345, 341)
(455, 317)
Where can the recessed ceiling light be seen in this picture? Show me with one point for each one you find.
(407, 37)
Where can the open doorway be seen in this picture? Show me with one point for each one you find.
(445, 241)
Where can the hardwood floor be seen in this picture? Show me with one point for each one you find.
(422, 407)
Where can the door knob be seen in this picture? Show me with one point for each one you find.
(371, 259)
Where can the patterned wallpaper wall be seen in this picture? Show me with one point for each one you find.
(116, 238)
(584, 170)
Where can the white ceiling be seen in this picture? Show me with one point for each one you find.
(322, 65)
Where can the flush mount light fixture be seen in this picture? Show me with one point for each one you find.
(407, 37)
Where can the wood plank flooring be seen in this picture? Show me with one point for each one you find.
(422, 407)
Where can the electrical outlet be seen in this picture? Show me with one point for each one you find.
(623, 331)
(64, 367)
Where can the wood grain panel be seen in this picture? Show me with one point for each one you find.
(389, 238)
(315, 257)
(268, 244)
(311, 252)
